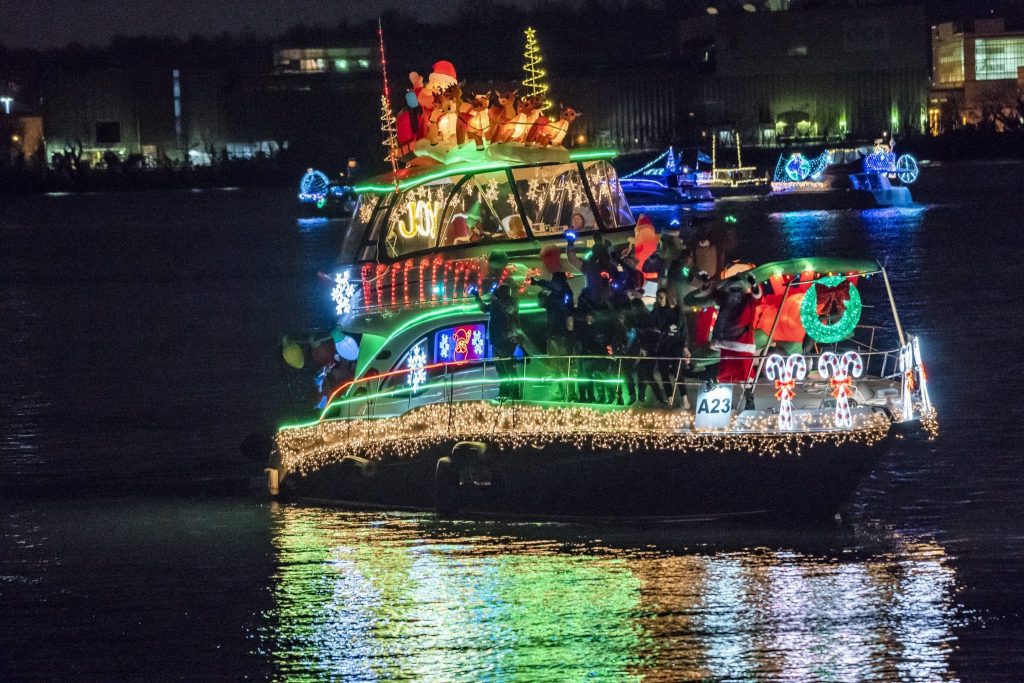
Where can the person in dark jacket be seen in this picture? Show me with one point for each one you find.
(590, 343)
(556, 299)
(672, 351)
(505, 334)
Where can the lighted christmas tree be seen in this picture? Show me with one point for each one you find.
(534, 81)
(387, 127)
(387, 119)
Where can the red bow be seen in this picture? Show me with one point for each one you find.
(841, 387)
(832, 299)
(911, 385)
(785, 388)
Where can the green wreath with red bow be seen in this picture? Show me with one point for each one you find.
(831, 296)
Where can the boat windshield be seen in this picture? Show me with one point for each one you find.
(553, 195)
(360, 243)
(483, 210)
(611, 203)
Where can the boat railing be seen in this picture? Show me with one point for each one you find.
(879, 379)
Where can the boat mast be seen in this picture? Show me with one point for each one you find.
(892, 303)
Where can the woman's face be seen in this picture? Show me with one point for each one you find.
(662, 299)
(577, 221)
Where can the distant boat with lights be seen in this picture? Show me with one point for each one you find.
(788, 400)
(863, 177)
(659, 182)
(320, 197)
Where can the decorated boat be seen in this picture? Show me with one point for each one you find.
(320, 197)
(785, 423)
(659, 182)
(856, 177)
(789, 395)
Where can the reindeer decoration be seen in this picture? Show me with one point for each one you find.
(478, 123)
(501, 115)
(554, 132)
(444, 119)
(519, 129)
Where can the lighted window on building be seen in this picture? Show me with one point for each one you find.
(950, 66)
(364, 63)
(341, 65)
(484, 211)
(797, 51)
(998, 58)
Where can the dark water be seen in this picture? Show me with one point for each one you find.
(138, 337)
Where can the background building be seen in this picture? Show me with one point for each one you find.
(813, 75)
(977, 76)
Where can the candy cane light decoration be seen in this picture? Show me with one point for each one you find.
(926, 401)
(785, 372)
(842, 370)
(906, 365)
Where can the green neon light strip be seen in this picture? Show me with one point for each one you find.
(456, 383)
(466, 168)
(444, 171)
(591, 154)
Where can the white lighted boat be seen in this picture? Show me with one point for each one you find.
(829, 380)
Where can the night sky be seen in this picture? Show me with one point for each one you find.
(52, 23)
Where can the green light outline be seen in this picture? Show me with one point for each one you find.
(466, 168)
(457, 383)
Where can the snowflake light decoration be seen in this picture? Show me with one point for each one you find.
(491, 191)
(366, 209)
(446, 346)
(343, 294)
(478, 343)
(417, 365)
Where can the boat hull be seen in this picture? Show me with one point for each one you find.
(559, 481)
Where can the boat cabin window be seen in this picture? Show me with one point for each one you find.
(551, 196)
(360, 243)
(482, 210)
(611, 202)
(412, 224)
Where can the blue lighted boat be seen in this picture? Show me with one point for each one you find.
(320, 197)
(862, 177)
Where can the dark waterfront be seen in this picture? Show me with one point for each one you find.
(139, 350)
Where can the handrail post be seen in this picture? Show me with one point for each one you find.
(675, 383)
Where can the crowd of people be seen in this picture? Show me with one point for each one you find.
(608, 338)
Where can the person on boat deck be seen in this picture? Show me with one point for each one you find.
(633, 320)
(556, 299)
(597, 269)
(504, 333)
(648, 343)
(672, 350)
(591, 344)
(617, 340)
(733, 333)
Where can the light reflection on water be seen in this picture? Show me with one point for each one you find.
(373, 597)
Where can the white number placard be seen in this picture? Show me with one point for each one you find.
(714, 407)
